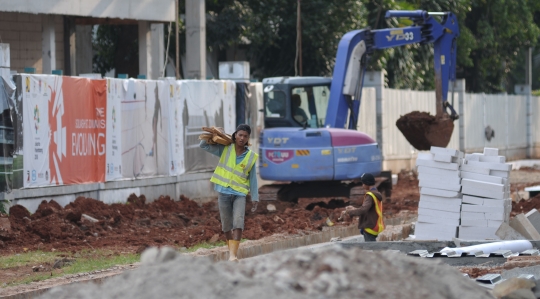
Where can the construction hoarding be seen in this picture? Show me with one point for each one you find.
(64, 130)
(205, 103)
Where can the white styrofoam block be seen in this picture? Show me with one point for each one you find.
(482, 177)
(483, 185)
(493, 202)
(472, 215)
(473, 200)
(494, 223)
(442, 178)
(475, 169)
(484, 193)
(446, 158)
(474, 222)
(473, 157)
(438, 220)
(438, 192)
(435, 164)
(438, 171)
(502, 174)
(481, 209)
(439, 206)
(444, 151)
(493, 159)
(442, 200)
(434, 231)
(478, 233)
(491, 165)
(440, 214)
(489, 151)
(439, 185)
(4, 56)
(494, 216)
(424, 156)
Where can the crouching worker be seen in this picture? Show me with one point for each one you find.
(371, 221)
(234, 177)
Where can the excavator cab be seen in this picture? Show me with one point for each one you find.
(296, 101)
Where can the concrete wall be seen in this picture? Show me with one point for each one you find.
(196, 186)
(151, 10)
(23, 32)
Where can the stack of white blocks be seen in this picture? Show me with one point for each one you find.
(440, 198)
(4, 61)
(486, 195)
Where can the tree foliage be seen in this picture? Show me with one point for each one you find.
(493, 37)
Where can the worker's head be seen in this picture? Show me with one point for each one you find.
(241, 136)
(368, 180)
(296, 100)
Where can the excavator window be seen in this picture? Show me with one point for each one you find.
(275, 104)
(309, 104)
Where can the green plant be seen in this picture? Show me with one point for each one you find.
(3, 209)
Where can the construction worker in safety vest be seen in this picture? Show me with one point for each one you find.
(371, 221)
(234, 177)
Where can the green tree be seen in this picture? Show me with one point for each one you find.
(501, 30)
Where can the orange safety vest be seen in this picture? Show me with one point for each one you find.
(379, 227)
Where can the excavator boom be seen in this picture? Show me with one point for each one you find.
(354, 49)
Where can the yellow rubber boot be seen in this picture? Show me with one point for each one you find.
(233, 250)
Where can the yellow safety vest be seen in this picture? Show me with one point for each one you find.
(379, 227)
(230, 174)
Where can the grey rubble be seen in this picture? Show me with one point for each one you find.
(331, 272)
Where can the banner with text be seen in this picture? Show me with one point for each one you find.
(64, 130)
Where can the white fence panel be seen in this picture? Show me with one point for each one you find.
(496, 117)
(473, 116)
(517, 121)
(395, 104)
(367, 116)
(535, 120)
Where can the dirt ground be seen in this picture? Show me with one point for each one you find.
(134, 226)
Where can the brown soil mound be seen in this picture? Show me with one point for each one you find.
(18, 212)
(423, 130)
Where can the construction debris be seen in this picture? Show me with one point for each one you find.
(331, 272)
(215, 135)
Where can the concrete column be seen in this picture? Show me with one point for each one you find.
(525, 89)
(376, 79)
(459, 90)
(144, 45)
(195, 39)
(48, 45)
(151, 49)
(83, 50)
(157, 51)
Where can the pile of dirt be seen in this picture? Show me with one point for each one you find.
(328, 273)
(136, 225)
(423, 130)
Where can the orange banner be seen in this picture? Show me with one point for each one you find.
(77, 120)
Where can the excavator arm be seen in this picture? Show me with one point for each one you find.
(356, 46)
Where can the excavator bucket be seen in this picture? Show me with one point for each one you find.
(423, 130)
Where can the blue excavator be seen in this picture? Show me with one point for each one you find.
(310, 138)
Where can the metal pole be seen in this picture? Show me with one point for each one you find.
(177, 41)
(300, 37)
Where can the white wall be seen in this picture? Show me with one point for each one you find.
(23, 33)
(150, 10)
